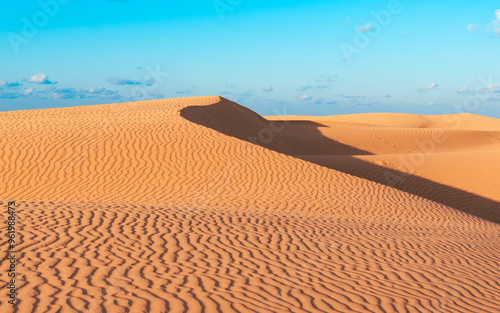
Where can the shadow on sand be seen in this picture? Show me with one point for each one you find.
(303, 140)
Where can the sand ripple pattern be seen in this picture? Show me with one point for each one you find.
(96, 257)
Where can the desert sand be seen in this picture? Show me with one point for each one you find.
(201, 205)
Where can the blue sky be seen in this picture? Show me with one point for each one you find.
(275, 57)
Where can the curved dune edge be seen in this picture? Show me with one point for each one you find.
(176, 205)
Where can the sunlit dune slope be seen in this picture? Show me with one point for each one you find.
(452, 159)
(160, 152)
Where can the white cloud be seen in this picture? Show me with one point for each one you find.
(268, 89)
(28, 91)
(493, 27)
(41, 79)
(96, 90)
(494, 97)
(365, 28)
(493, 88)
(309, 99)
(66, 93)
(324, 82)
(496, 23)
(14, 93)
(4, 83)
(432, 86)
(473, 28)
(463, 89)
(318, 100)
(497, 20)
(100, 92)
(305, 87)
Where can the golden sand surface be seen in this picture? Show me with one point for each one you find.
(202, 205)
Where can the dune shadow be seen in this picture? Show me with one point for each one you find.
(288, 137)
(304, 140)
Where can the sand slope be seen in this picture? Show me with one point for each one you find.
(451, 159)
(201, 205)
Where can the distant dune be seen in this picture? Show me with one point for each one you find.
(202, 205)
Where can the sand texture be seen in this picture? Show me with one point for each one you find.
(202, 205)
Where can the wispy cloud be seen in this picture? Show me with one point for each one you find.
(318, 101)
(65, 93)
(4, 83)
(432, 86)
(14, 90)
(351, 97)
(238, 96)
(117, 81)
(313, 100)
(9, 94)
(78, 93)
(28, 91)
(102, 93)
(188, 91)
(14, 93)
(305, 87)
(322, 83)
(493, 88)
(305, 98)
(324, 86)
(473, 28)
(268, 89)
(463, 89)
(96, 90)
(497, 20)
(327, 78)
(365, 28)
(156, 95)
(493, 27)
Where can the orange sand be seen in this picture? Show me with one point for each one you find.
(202, 205)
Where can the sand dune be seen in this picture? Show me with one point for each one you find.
(202, 205)
(464, 121)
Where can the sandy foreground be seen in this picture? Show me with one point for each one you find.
(201, 205)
